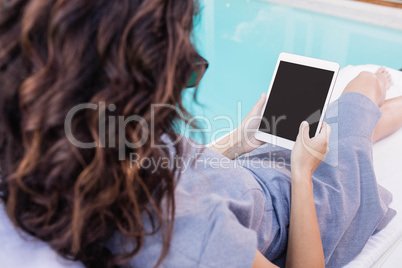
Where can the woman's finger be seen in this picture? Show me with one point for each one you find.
(326, 130)
(322, 139)
(257, 109)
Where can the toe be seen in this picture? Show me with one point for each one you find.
(380, 70)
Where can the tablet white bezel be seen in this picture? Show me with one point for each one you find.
(311, 62)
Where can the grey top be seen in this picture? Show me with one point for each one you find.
(226, 210)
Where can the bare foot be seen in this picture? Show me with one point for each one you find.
(385, 82)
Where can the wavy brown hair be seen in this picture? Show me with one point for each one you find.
(56, 54)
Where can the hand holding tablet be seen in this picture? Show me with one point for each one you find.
(300, 90)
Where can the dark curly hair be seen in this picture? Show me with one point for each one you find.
(56, 54)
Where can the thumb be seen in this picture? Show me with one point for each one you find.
(257, 109)
(305, 130)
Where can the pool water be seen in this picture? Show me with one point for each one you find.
(242, 39)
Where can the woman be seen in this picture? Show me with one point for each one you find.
(99, 206)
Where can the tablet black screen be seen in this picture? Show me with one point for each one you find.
(298, 93)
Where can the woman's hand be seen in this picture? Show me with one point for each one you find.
(241, 140)
(308, 153)
(249, 126)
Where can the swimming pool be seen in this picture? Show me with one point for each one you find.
(242, 39)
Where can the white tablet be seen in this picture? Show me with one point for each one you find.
(300, 90)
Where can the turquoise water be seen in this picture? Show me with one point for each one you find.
(242, 39)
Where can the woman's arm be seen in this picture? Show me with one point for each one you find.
(241, 140)
(229, 145)
(261, 262)
(304, 244)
